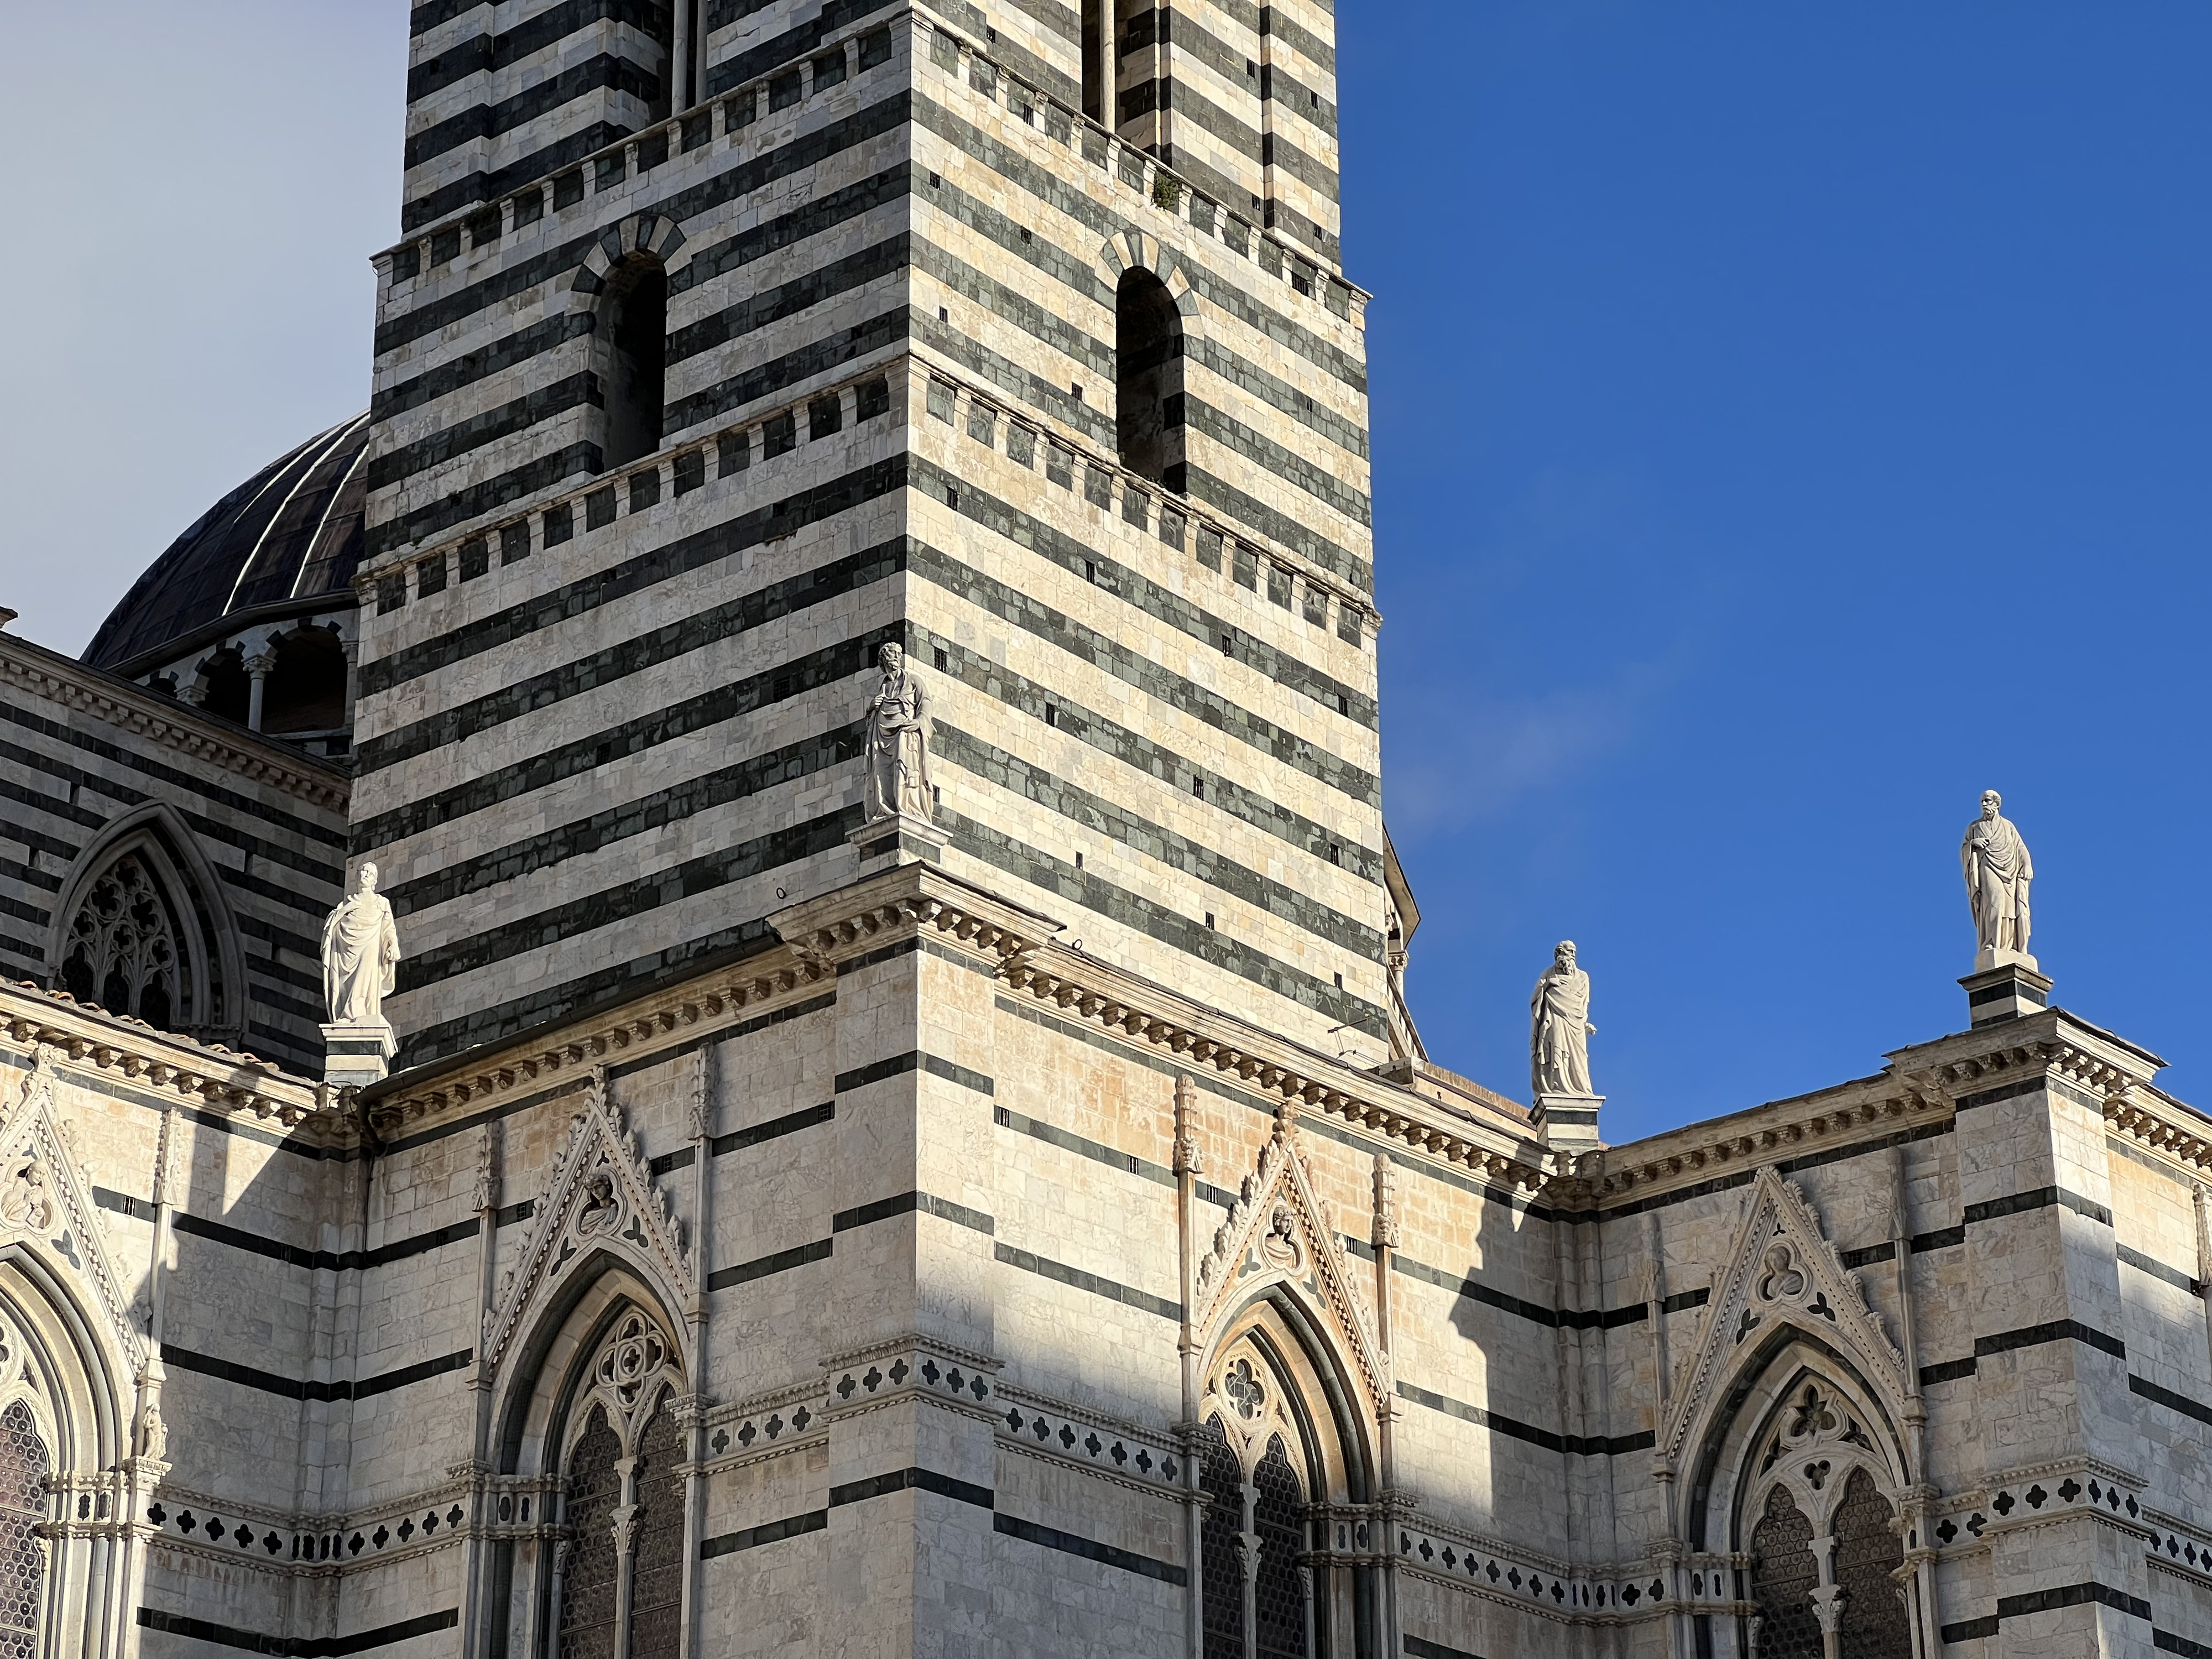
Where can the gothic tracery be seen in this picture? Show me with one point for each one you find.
(622, 1567)
(123, 951)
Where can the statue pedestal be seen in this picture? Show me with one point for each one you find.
(2010, 990)
(1567, 1123)
(357, 1053)
(901, 838)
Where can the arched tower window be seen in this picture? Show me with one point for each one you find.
(631, 331)
(124, 950)
(23, 1464)
(1148, 378)
(622, 1576)
(652, 46)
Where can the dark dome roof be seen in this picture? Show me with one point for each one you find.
(292, 531)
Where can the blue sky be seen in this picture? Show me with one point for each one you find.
(1789, 420)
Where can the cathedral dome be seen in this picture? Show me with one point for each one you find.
(288, 536)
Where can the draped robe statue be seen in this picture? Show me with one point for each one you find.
(1559, 1029)
(360, 951)
(898, 742)
(1994, 860)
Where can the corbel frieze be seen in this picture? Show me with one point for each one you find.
(657, 1020)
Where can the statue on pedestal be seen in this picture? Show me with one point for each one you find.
(1994, 860)
(361, 951)
(898, 742)
(1559, 1029)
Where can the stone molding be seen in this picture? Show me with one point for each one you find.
(1591, 1593)
(300, 1529)
(32, 1203)
(208, 1076)
(58, 679)
(1012, 942)
(499, 1069)
(1921, 1084)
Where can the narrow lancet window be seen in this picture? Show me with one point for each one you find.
(633, 353)
(1148, 366)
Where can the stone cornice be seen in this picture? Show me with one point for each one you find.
(1009, 940)
(2161, 1124)
(1921, 1084)
(59, 680)
(660, 1019)
(204, 1074)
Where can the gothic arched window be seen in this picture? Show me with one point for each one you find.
(1868, 1553)
(656, 1626)
(1148, 407)
(123, 951)
(1221, 1551)
(588, 1573)
(624, 1502)
(23, 1554)
(1823, 1547)
(1257, 1605)
(1786, 1576)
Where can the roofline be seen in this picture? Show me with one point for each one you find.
(233, 621)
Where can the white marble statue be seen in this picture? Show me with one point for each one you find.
(898, 742)
(1559, 1029)
(1995, 861)
(361, 950)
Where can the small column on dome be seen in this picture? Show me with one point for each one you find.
(257, 668)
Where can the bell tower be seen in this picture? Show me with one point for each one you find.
(728, 343)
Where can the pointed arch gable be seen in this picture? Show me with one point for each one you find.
(1742, 1454)
(1280, 1242)
(48, 1223)
(602, 1210)
(537, 1407)
(1783, 1282)
(215, 956)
